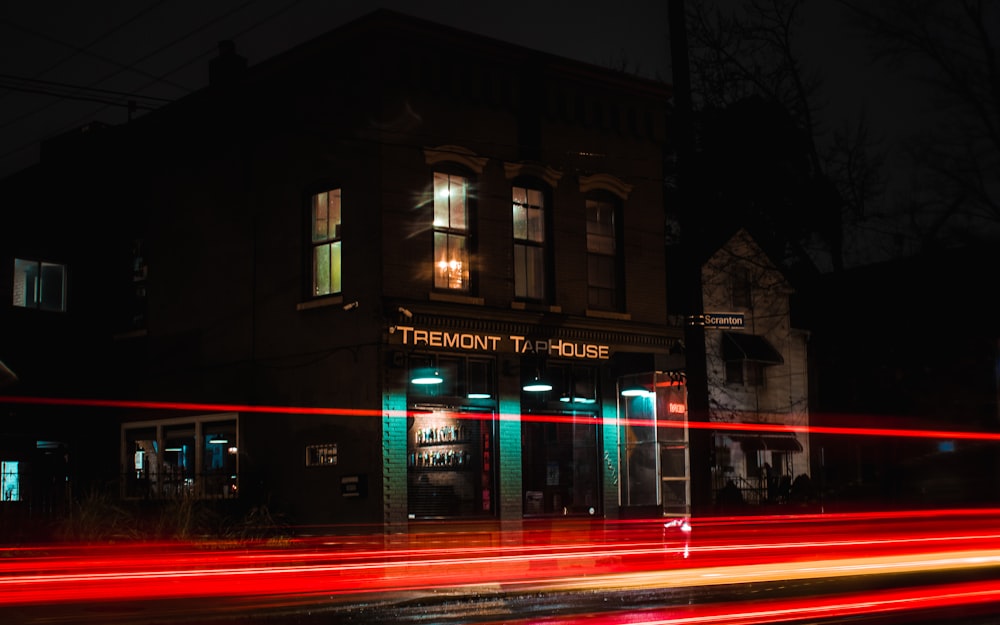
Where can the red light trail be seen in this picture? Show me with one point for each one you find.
(760, 612)
(593, 557)
(361, 412)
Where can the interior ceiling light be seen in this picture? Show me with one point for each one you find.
(577, 400)
(427, 375)
(537, 385)
(636, 391)
(479, 395)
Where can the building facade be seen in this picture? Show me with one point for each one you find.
(400, 273)
(757, 370)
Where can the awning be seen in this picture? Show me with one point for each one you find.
(771, 441)
(741, 346)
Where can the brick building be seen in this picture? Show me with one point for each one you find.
(264, 270)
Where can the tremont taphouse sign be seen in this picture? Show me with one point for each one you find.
(471, 341)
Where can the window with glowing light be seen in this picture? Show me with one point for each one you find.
(39, 285)
(529, 243)
(10, 481)
(218, 459)
(181, 457)
(604, 263)
(326, 243)
(321, 455)
(452, 236)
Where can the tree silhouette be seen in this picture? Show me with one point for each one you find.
(759, 147)
(951, 47)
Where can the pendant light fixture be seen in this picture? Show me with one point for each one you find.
(537, 385)
(636, 390)
(425, 376)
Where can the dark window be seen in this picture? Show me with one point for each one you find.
(604, 264)
(529, 243)
(734, 372)
(560, 465)
(745, 372)
(742, 291)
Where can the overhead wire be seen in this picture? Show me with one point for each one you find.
(85, 49)
(205, 25)
(76, 92)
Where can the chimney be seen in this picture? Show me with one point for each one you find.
(227, 66)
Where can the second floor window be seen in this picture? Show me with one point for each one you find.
(452, 236)
(326, 243)
(39, 285)
(529, 243)
(742, 288)
(603, 257)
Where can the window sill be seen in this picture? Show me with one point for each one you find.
(131, 334)
(607, 314)
(535, 307)
(456, 299)
(333, 300)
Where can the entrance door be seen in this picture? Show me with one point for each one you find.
(560, 464)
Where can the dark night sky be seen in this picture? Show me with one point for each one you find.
(160, 49)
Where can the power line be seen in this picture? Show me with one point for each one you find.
(77, 92)
(170, 44)
(85, 49)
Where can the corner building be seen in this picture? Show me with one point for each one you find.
(359, 256)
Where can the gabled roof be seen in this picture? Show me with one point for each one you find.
(742, 240)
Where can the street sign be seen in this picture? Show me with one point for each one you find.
(725, 320)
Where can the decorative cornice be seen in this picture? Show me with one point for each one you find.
(542, 172)
(605, 182)
(455, 154)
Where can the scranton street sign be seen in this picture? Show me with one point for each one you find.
(721, 320)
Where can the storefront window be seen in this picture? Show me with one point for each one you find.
(218, 459)
(653, 409)
(451, 464)
(639, 464)
(178, 460)
(143, 461)
(181, 458)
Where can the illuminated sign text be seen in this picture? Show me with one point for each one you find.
(498, 343)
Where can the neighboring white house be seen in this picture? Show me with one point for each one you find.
(757, 373)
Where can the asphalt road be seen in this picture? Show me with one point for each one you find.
(525, 604)
(877, 570)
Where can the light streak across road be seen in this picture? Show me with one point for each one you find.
(597, 557)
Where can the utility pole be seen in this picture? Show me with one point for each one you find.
(692, 236)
